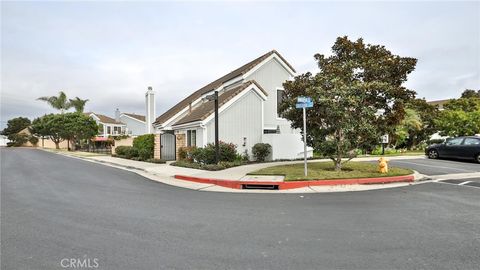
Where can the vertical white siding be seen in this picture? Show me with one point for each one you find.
(242, 119)
(137, 127)
(272, 76)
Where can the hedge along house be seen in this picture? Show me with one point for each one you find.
(248, 101)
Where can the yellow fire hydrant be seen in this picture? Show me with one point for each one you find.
(382, 165)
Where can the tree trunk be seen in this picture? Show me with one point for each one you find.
(338, 165)
(57, 145)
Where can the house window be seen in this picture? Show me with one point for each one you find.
(191, 138)
(280, 94)
(109, 130)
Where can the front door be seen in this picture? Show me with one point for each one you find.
(167, 147)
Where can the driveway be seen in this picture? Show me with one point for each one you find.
(54, 207)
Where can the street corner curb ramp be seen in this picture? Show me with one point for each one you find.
(237, 184)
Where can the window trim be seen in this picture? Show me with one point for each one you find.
(189, 137)
(276, 102)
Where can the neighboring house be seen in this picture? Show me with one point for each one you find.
(248, 102)
(3, 140)
(108, 125)
(135, 123)
(45, 142)
(439, 103)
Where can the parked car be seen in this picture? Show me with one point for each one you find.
(467, 147)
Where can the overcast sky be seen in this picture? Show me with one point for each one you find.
(109, 52)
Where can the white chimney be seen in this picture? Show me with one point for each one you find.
(150, 110)
(117, 115)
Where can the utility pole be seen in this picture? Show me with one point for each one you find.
(217, 146)
(305, 141)
(214, 97)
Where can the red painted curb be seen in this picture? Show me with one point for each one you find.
(297, 184)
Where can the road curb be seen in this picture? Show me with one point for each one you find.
(236, 184)
(209, 187)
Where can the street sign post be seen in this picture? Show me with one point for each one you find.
(384, 141)
(304, 103)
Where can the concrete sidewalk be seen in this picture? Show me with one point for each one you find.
(165, 173)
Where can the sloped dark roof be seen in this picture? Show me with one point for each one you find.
(438, 102)
(105, 119)
(215, 84)
(136, 116)
(204, 110)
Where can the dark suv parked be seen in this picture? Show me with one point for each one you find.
(467, 147)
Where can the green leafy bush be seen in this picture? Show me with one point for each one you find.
(261, 151)
(17, 140)
(120, 150)
(209, 167)
(206, 155)
(33, 140)
(144, 154)
(131, 152)
(145, 145)
(185, 153)
(388, 151)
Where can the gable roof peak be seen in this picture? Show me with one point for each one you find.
(241, 71)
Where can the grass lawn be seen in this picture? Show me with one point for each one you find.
(325, 170)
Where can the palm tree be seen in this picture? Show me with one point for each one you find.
(78, 104)
(59, 102)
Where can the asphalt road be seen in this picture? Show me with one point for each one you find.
(437, 166)
(54, 207)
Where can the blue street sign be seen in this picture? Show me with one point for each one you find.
(304, 99)
(304, 105)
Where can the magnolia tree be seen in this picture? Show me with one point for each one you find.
(358, 96)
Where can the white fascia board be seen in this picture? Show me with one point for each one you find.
(274, 55)
(95, 117)
(233, 100)
(143, 122)
(171, 119)
(113, 125)
(188, 125)
(195, 102)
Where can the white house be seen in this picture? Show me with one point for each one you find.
(248, 99)
(109, 126)
(3, 140)
(134, 123)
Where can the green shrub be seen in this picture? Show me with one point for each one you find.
(209, 167)
(206, 155)
(145, 145)
(261, 151)
(33, 140)
(17, 140)
(130, 152)
(388, 151)
(185, 153)
(144, 154)
(120, 150)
